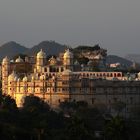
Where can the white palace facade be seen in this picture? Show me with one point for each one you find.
(59, 79)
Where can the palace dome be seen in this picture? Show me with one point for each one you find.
(19, 60)
(68, 54)
(12, 77)
(41, 54)
(5, 60)
(25, 79)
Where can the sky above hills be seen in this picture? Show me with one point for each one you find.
(114, 24)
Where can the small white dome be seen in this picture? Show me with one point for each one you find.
(25, 79)
(32, 78)
(90, 62)
(12, 60)
(12, 77)
(139, 74)
(68, 54)
(136, 79)
(76, 63)
(41, 54)
(18, 79)
(5, 60)
(19, 60)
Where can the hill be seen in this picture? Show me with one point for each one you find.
(116, 59)
(49, 47)
(11, 49)
(133, 57)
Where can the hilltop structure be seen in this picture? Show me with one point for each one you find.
(60, 79)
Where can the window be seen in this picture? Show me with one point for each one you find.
(131, 100)
(59, 101)
(93, 100)
(115, 99)
(118, 75)
(62, 69)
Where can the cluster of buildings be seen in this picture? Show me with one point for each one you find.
(60, 79)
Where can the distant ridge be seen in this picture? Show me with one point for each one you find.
(11, 49)
(116, 59)
(49, 47)
(133, 57)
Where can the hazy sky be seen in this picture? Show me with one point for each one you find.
(114, 24)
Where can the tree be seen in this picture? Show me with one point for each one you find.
(35, 104)
(7, 103)
(92, 117)
(118, 106)
(34, 116)
(115, 129)
(8, 117)
(77, 130)
(70, 108)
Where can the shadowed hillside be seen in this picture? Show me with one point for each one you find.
(133, 57)
(49, 47)
(116, 59)
(11, 49)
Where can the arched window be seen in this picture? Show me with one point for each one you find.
(83, 74)
(118, 75)
(62, 69)
(45, 69)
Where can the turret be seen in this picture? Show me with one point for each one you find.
(12, 79)
(40, 60)
(5, 72)
(68, 59)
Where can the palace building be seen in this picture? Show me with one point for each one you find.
(59, 79)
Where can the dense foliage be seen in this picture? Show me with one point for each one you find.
(74, 121)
